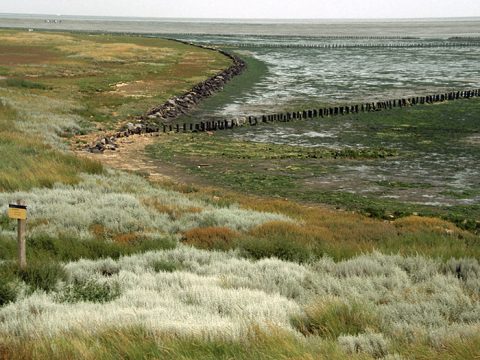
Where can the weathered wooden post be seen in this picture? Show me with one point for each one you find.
(18, 212)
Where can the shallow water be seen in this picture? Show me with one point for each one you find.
(301, 77)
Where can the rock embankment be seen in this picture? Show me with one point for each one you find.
(157, 117)
(177, 106)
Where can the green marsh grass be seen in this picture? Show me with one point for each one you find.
(78, 74)
(139, 343)
(333, 318)
(28, 162)
(26, 84)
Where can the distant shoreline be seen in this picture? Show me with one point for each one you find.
(239, 20)
(427, 28)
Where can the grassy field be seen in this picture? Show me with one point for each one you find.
(56, 86)
(224, 267)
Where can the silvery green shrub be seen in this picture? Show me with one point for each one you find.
(116, 201)
(212, 294)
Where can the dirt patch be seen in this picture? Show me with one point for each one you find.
(131, 156)
(143, 88)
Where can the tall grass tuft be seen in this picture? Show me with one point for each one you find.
(332, 318)
(140, 343)
(370, 343)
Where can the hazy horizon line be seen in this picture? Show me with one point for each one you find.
(243, 19)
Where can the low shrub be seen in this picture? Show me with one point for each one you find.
(281, 239)
(89, 291)
(220, 238)
(42, 275)
(281, 248)
(282, 229)
(66, 248)
(8, 291)
(129, 238)
(165, 266)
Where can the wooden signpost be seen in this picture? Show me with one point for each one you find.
(18, 211)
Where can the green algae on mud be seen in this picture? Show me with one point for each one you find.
(433, 170)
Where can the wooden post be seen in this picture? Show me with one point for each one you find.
(22, 228)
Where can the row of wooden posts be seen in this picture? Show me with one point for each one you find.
(215, 125)
(364, 45)
(322, 37)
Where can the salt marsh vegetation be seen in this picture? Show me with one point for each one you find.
(118, 202)
(122, 267)
(218, 295)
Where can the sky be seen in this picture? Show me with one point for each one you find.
(275, 9)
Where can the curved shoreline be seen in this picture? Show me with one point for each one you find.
(166, 113)
(161, 118)
(180, 105)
